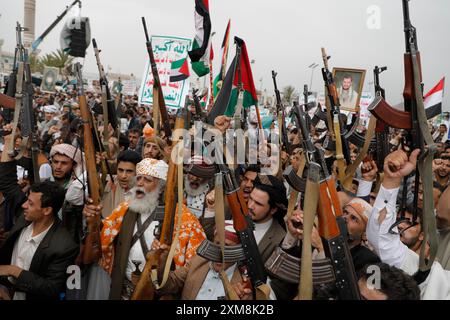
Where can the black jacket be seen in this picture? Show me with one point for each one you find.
(47, 276)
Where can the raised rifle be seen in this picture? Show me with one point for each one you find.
(244, 227)
(29, 128)
(91, 249)
(157, 90)
(335, 113)
(107, 101)
(381, 130)
(145, 288)
(414, 119)
(109, 115)
(281, 115)
(332, 225)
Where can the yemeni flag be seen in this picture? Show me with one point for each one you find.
(433, 100)
(223, 64)
(179, 70)
(239, 75)
(201, 47)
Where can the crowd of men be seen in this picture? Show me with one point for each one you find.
(43, 226)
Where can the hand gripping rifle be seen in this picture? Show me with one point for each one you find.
(91, 250)
(157, 90)
(415, 121)
(332, 226)
(145, 288)
(244, 228)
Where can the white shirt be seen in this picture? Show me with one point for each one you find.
(261, 229)
(136, 250)
(393, 252)
(24, 250)
(212, 287)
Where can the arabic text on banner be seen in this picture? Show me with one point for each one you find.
(166, 50)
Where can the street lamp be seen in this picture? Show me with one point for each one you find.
(312, 66)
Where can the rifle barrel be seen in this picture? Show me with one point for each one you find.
(145, 29)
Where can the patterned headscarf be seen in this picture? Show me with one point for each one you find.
(152, 167)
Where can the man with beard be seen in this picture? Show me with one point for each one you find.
(411, 232)
(128, 233)
(347, 95)
(196, 184)
(114, 194)
(267, 204)
(433, 283)
(153, 147)
(441, 168)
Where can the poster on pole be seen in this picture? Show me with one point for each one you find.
(49, 77)
(166, 49)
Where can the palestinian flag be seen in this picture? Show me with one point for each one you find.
(433, 100)
(223, 64)
(201, 47)
(179, 70)
(239, 71)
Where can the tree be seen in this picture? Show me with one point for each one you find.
(288, 94)
(61, 60)
(58, 59)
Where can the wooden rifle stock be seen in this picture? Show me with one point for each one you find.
(332, 230)
(92, 248)
(7, 101)
(145, 289)
(243, 225)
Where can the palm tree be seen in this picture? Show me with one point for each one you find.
(288, 94)
(36, 64)
(61, 60)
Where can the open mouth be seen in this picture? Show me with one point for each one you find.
(194, 185)
(140, 194)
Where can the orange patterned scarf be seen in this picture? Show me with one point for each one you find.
(190, 237)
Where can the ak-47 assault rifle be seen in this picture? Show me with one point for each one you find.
(28, 127)
(24, 115)
(381, 149)
(158, 96)
(335, 122)
(244, 227)
(332, 226)
(414, 120)
(91, 249)
(281, 115)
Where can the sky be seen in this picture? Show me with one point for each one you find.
(281, 35)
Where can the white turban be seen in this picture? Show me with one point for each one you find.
(152, 167)
(51, 109)
(73, 153)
